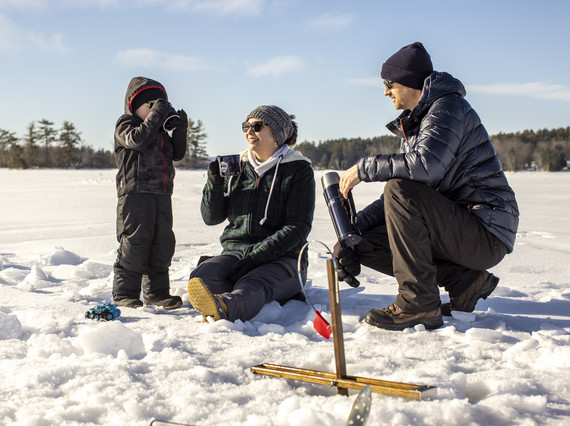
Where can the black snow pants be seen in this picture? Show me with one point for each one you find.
(428, 241)
(146, 246)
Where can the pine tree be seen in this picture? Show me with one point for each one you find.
(4, 147)
(48, 135)
(31, 139)
(11, 153)
(69, 139)
(196, 150)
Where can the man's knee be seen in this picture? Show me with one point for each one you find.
(396, 187)
(397, 196)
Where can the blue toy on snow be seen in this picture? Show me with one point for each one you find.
(106, 311)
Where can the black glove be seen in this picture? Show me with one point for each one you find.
(214, 173)
(242, 267)
(163, 108)
(182, 122)
(348, 266)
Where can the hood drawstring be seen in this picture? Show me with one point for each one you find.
(262, 221)
(227, 194)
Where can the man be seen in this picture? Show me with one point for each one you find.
(447, 213)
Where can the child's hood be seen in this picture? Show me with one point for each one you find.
(138, 85)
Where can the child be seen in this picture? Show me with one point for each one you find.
(144, 153)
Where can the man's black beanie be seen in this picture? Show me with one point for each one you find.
(409, 66)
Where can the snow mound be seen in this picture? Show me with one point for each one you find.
(60, 256)
(111, 339)
(10, 327)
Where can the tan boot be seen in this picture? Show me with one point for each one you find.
(208, 304)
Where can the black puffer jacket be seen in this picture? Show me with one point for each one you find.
(143, 151)
(445, 146)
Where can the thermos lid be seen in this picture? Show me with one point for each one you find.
(330, 178)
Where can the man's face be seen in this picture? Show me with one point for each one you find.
(402, 96)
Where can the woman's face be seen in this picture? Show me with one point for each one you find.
(262, 143)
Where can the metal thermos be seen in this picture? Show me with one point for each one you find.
(342, 210)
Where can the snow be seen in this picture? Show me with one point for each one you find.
(505, 363)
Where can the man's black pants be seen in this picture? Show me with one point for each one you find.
(428, 241)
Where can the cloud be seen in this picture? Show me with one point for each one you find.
(537, 90)
(14, 40)
(277, 66)
(221, 7)
(79, 4)
(6, 35)
(50, 43)
(22, 4)
(215, 7)
(148, 58)
(332, 21)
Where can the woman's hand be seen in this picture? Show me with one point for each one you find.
(214, 173)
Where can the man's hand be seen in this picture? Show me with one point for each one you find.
(348, 180)
(348, 265)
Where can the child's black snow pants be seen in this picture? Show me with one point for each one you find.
(146, 246)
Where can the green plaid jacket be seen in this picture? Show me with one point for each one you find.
(289, 216)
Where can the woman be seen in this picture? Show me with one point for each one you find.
(269, 206)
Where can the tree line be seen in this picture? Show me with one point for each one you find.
(547, 150)
(45, 145)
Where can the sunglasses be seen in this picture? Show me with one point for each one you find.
(256, 126)
(389, 84)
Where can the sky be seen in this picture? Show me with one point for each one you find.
(71, 60)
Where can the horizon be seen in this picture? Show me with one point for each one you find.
(219, 59)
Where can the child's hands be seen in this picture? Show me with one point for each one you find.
(162, 108)
(182, 122)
